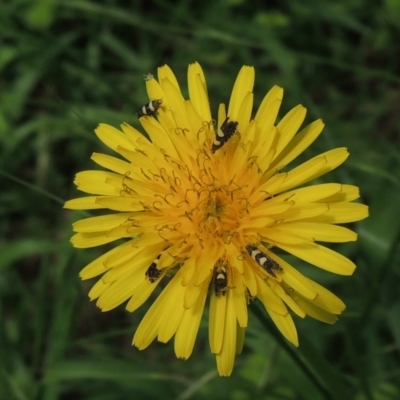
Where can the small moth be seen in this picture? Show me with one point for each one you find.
(224, 133)
(263, 260)
(153, 273)
(149, 108)
(220, 280)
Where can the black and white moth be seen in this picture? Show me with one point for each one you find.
(224, 133)
(263, 260)
(153, 273)
(149, 108)
(220, 280)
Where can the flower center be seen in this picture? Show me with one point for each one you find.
(218, 213)
(200, 203)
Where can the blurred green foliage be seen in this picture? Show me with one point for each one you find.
(65, 66)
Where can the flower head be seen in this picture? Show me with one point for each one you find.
(203, 205)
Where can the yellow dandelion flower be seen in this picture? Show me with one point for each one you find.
(203, 205)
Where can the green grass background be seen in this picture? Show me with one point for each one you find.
(66, 66)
